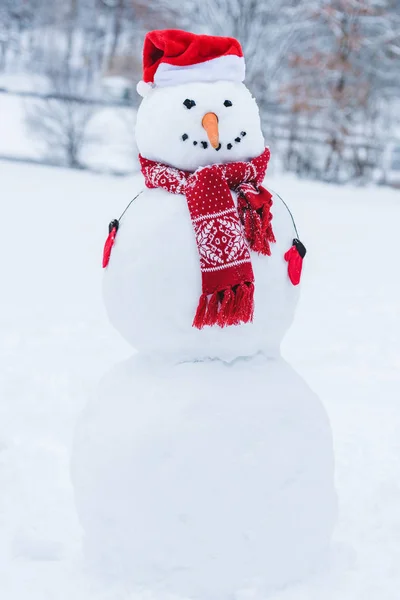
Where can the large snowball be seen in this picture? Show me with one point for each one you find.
(163, 119)
(205, 478)
(153, 283)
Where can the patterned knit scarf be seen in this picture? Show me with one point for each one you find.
(225, 234)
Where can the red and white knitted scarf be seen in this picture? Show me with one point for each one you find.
(225, 234)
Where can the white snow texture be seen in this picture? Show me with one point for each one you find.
(203, 465)
(213, 478)
(55, 342)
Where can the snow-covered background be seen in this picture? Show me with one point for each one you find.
(55, 340)
(111, 145)
(55, 343)
(324, 72)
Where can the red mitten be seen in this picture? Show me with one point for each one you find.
(112, 229)
(294, 258)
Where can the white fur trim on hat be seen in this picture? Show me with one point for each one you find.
(229, 67)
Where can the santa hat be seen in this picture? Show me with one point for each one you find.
(172, 57)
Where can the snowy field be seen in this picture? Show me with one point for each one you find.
(55, 343)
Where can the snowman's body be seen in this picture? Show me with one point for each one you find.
(204, 465)
(153, 308)
(205, 478)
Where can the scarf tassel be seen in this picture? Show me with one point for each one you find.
(232, 306)
(258, 230)
(200, 317)
(245, 309)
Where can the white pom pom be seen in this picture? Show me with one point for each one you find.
(143, 88)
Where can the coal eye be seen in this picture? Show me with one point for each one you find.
(227, 103)
(189, 103)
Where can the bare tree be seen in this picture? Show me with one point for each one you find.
(62, 126)
(336, 78)
(62, 123)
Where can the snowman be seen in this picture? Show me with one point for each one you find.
(203, 466)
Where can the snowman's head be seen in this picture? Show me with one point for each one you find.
(196, 110)
(197, 124)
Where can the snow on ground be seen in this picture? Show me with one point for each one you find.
(55, 343)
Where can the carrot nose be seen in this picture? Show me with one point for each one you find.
(210, 124)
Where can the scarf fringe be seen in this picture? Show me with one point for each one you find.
(258, 230)
(232, 306)
(257, 222)
(200, 317)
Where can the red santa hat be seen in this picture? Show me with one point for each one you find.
(172, 57)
